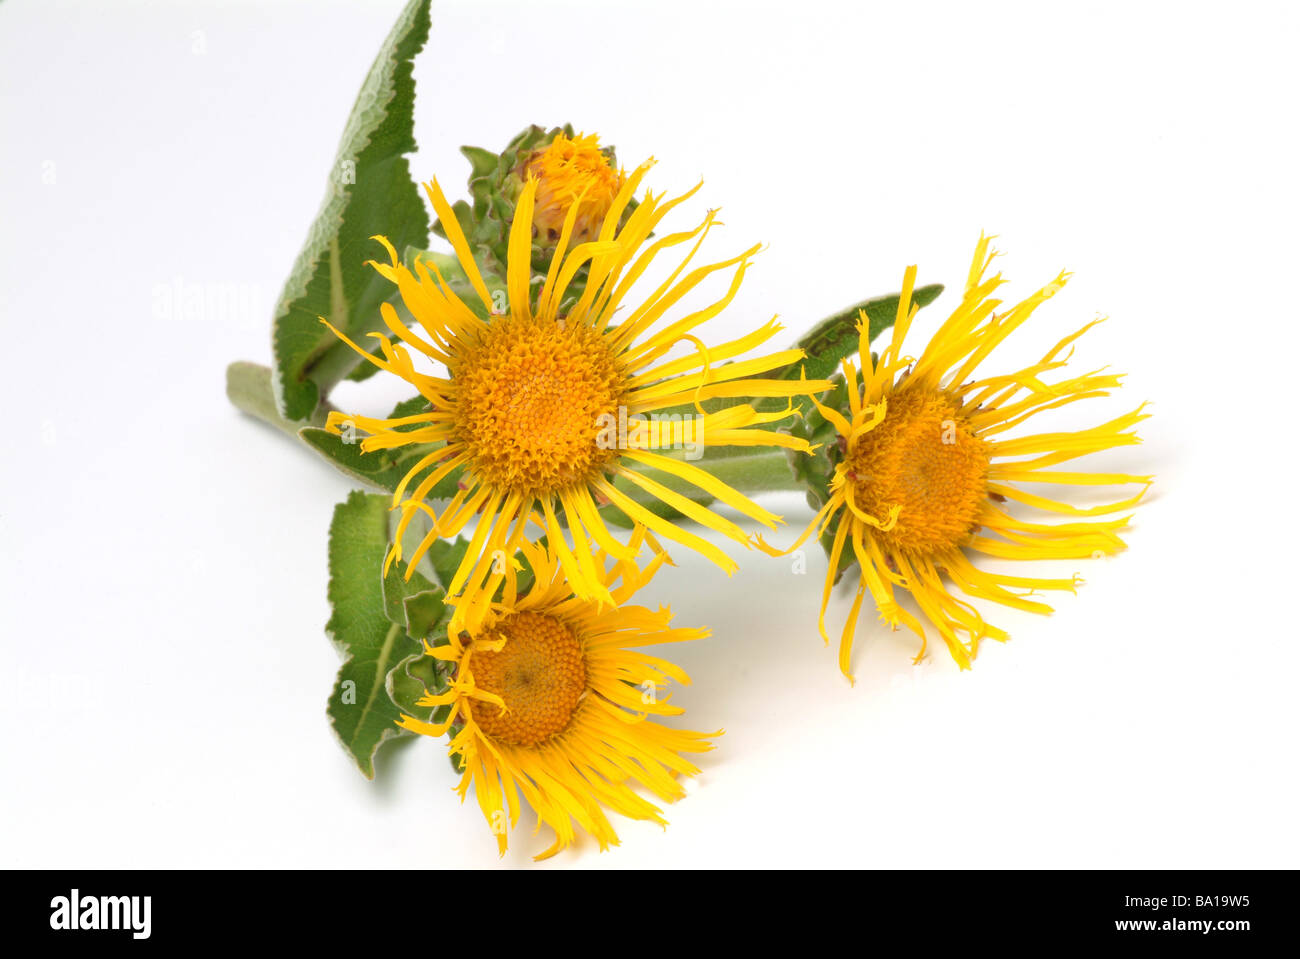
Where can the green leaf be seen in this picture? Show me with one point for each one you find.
(411, 679)
(446, 557)
(419, 606)
(397, 589)
(836, 337)
(415, 604)
(382, 469)
(426, 613)
(370, 192)
(360, 707)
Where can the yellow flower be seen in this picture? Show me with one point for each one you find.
(553, 699)
(569, 173)
(925, 471)
(549, 403)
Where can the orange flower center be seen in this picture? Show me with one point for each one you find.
(925, 458)
(532, 397)
(539, 673)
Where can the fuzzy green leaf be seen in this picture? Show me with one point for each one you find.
(370, 192)
(382, 469)
(360, 708)
(446, 556)
(415, 603)
(398, 589)
(425, 613)
(411, 679)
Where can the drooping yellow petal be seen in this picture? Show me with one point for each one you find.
(451, 226)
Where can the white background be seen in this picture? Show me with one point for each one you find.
(162, 558)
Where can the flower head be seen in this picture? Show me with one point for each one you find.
(572, 170)
(553, 700)
(925, 471)
(554, 405)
